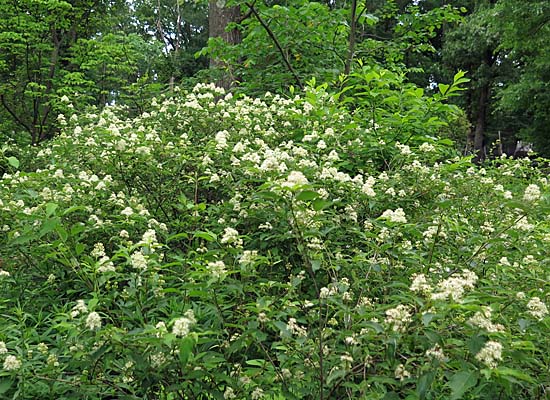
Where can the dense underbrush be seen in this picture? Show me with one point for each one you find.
(240, 248)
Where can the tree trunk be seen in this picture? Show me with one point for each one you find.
(219, 17)
(483, 107)
(351, 43)
(481, 123)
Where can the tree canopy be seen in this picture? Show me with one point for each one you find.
(97, 53)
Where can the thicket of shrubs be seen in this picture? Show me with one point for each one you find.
(238, 248)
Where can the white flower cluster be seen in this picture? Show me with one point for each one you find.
(537, 308)
(231, 236)
(11, 363)
(455, 286)
(182, 326)
(482, 319)
(398, 317)
(420, 284)
(490, 354)
(93, 321)
(436, 353)
(104, 264)
(532, 193)
(258, 393)
(293, 327)
(248, 257)
(138, 260)
(229, 393)
(401, 373)
(368, 185)
(295, 178)
(217, 269)
(397, 216)
(79, 308)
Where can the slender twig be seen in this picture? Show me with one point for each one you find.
(279, 47)
(275, 366)
(432, 248)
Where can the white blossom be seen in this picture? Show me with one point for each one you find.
(490, 354)
(93, 321)
(12, 363)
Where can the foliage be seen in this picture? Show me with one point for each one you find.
(524, 36)
(246, 248)
(90, 52)
(314, 38)
(401, 110)
(35, 39)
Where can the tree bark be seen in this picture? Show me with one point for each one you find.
(482, 109)
(351, 44)
(219, 17)
(481, 123)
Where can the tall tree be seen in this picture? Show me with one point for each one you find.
(222, 19)
(180, 27)
(525, 28)
(36, 61)
(472, 46)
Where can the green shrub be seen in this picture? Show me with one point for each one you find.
(220, 247)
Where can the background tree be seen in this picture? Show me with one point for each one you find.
(180, 28)
(525, 96)
(222, 20)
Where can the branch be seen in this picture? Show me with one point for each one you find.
(272, 36)
(14, 115)
(351, 45)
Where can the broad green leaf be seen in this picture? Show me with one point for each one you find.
(443, 88)
(50, 209)
(424, 384)
(307, 195)
(48, 226)
(461, 382)
(62, 232)
(5, 384)
(315, 265)
(320, 204)
(208, 236)
(256, 363)
(14, 162)
(186, 348)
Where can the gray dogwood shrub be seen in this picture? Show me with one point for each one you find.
(246, 248)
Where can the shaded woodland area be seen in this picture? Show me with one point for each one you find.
(104, 52)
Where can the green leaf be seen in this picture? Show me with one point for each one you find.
(443, 88)
(315, 265)
(427, 318)
(5, 384)
(62, 232)
(509, 372)
(307, 195)
(336, 374)
(424, 384)
(208, 236)
(177, 236)
(320, 204)
(461, 382)
(256, 363)
(48, 226)
(14, 162)
(186, 348)
(391, 396)
(73, 209)
(50, 209)
(79, 248)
